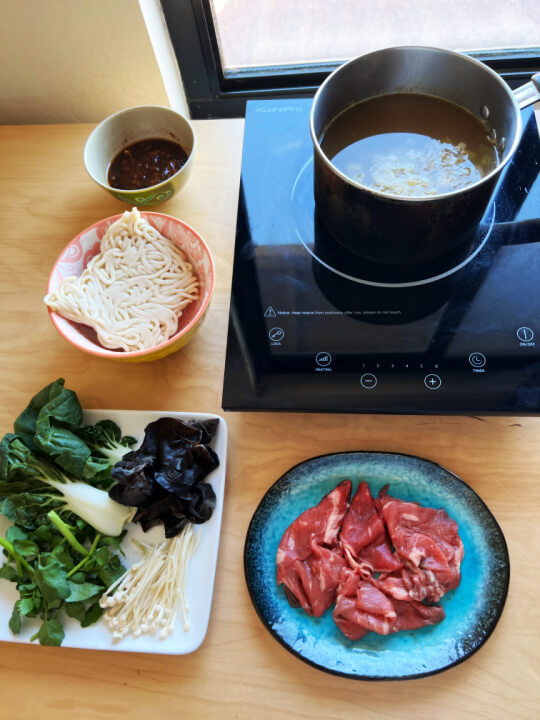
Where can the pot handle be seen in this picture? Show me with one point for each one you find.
(529, 93)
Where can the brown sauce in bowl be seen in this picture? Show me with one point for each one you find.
(145, 163)
(409, 144)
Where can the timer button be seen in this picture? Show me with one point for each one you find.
(477, 360)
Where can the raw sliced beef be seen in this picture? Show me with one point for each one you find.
(427, 542)
(364, 538)
(361, 607)
(379, 560)
(309, 558)
(412, 615)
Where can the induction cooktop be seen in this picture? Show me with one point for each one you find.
(314, 328)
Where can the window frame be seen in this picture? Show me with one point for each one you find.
(212, 94)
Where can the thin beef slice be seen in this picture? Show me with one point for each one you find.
(361, 607)
(426, 540)
(309, 559)
(364, 538)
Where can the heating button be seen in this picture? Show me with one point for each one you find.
(323, 359)
(368, 381)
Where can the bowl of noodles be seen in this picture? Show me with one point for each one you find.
(133, 287)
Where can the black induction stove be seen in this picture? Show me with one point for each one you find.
(314, 328)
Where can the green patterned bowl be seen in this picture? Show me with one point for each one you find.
(131, 125)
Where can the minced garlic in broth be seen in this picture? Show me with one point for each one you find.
(410, 144)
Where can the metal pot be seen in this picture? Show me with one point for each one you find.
(395, 229)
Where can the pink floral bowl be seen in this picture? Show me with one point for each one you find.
(86, 245)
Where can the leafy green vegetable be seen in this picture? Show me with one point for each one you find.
(59, 574)
(33, 486)
(15, 620)
(51, 579)
(47, 426)
(54, 473)
(52, 426)
(70, 452)
(53, 404)
(105, 438)
(51, 633)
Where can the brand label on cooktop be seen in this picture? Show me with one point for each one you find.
(278, 109)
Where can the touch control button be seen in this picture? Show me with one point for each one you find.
(432, 381)
(368, 381)
(276, 334)
(525, 334)
(477, 360)
(323, 359)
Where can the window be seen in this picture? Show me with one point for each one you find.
(231, 50)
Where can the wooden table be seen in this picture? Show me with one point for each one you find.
(240, 671)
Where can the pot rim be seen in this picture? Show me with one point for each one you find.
(417, 198)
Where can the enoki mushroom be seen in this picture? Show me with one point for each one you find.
(146, 599)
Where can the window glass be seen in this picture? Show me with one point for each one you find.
(254, 33)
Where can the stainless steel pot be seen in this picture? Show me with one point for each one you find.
(395, 229)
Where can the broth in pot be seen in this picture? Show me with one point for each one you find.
(410, 145)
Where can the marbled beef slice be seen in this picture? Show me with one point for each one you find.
(309, 557)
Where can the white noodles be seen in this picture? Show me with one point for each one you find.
(133, 292)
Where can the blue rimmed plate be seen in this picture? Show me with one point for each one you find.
(472, 609)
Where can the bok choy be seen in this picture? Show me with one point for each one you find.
(30, 487)
(63, 550)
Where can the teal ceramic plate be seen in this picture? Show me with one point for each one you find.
(472, 609)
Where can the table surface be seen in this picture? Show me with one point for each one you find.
(240, 671)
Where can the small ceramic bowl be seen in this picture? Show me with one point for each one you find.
(127, 127)
(86, 245)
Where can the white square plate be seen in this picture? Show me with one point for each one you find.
(201, 574)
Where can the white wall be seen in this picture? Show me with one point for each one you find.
(74, 60)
